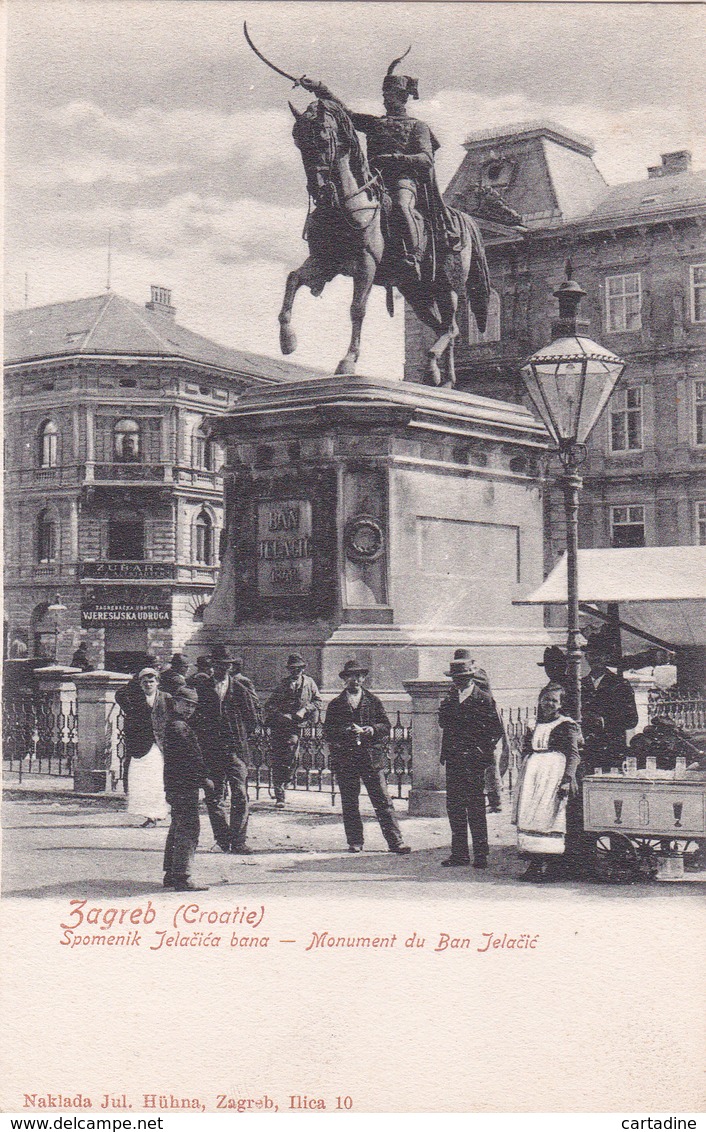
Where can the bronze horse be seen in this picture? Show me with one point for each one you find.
(346, 234)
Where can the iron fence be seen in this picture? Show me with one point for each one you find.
(313, 770)
(687, 711)
(515, 721)
(115, 747)
(39, 735)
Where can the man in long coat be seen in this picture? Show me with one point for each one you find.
(227, 714)
(295, 700)
(357, 731)
(471, 729)
(608, 709)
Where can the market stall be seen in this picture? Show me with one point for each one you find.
(650, 811)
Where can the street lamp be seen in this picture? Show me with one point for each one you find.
(569, 383)
(57, 608)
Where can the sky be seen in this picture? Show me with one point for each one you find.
(153, 120)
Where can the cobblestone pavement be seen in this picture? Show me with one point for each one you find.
(59, 845)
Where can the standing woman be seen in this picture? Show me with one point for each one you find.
(146, 711)
(547, 780)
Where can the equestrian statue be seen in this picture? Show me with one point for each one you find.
(380, 218)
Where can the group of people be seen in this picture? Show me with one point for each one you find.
(186, 733)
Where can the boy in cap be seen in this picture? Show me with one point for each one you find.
(184, 774)
(293, 701)
(357, 729)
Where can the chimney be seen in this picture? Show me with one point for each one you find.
(679, 161)
(161, 301)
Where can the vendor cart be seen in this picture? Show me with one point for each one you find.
(645, 821)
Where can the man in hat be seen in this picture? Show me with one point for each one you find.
(295, 700)
(173, 678)
(608, 708)
(185, 774)
(471, 729)
(401, 149)
(357, 730)
(554, 664)
(204, 672)
(227, 714)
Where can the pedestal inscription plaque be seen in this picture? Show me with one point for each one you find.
(284, 547)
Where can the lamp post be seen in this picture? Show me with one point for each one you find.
(569, 383)
(57, 607)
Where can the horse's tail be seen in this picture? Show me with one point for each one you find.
(390, 301)
(478, 279)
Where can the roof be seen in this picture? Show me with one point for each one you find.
(676, 192)
(665, 587)
(110, 324)
(526, 130)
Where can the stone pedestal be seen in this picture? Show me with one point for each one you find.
(385, 521)
(427, 798)
(96, 708)
(642, 685)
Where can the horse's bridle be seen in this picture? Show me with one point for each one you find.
(335, 200)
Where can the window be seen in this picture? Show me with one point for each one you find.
(701, 523)
(626, 420)
(698, 292)
(627, 525)
(203, 451)
(492, 326)
(47, 537)
(126, 540)
(700, 411)
(48, 437)
(623, 300)
(203, 539)
(126, 441)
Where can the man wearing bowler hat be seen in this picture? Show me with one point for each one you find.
(607, 708)
(295, 700)
(471, 729)
(554, 664)
(357, 730)
(227, 714)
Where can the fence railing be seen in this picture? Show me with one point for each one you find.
(39, 736)
(688, 712)
(313, 770)
(515, 721)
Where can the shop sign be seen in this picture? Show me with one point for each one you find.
(127, 571)
(284, 547)
(100, 614)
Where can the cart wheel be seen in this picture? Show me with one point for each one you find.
(616, 857)
(647, 850)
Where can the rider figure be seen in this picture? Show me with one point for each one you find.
(401, 149)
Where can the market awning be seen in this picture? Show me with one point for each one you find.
(664, 586)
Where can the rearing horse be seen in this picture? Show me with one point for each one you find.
(345, 233)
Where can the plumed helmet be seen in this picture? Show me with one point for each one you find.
(400, 82)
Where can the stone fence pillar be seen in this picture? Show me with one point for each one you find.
(57, 680)
(95, 700)
(427, 798)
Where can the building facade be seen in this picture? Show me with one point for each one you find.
(113, 488)
(639, 251)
